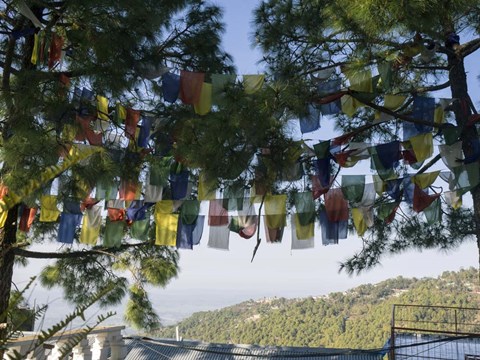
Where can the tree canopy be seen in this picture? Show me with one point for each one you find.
(78, 79)
(90, 112)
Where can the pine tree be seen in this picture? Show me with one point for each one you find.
(114, 50)
(417, 48)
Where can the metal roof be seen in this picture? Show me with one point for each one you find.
(149, 349)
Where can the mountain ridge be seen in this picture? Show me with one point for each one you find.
(356, 318)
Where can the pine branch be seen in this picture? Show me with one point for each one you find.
(469, 47)
(75, 254)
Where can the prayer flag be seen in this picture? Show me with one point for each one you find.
(276, 210)
(113, 235)
(191, 86)
(204, 105)
(170, 87)
(253, 83)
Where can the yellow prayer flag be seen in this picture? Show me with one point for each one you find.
(360, 80)
(164, 207)
(166, 229)
(422, 146)
(359, 221)
(48, 208)
(3, 217)
(102, 108)
(206, 189)
(36, 43)
(393, 102)
(379, 185)
(304, 232)
(350, 105)
(253, 83)
(276, 210)
(121, 113)
(89, 234)
(205, 103)
(426, 179)
(439, 115)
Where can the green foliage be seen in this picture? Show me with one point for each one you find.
(358, 318)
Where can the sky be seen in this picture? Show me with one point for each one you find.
(211, 279)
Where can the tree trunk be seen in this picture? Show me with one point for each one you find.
(459, 89)
(7, 259)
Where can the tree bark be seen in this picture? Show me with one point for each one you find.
(459, 89)
(7, 260)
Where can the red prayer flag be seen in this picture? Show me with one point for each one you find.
(55, 50)
(421, 200)
(133, 116)
(191, 86)
(26, 219)
(336, 206)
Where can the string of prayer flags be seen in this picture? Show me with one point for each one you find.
(191, 86)
(311, 120)
(67, 228)
(276, 210)
(170, 87)
(253, 83)
(166, 223)
(204, 105)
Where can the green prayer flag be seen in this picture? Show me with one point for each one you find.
(219, 83)
(113, 233)
(352, 187)
(321, 149)
(189, 211)
(385, 210)
(433, 213)
(139, 229)
(305, 207)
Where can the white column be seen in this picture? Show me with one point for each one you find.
(55, 354)
(82, 351)
(100, 346)
(117, 345)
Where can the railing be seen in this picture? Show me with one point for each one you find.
(101, 343)
(434, 332)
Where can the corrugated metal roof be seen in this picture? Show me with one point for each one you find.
(150, 349)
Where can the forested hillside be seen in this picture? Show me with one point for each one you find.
(358, 318)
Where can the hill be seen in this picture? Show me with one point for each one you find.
(358, 318)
